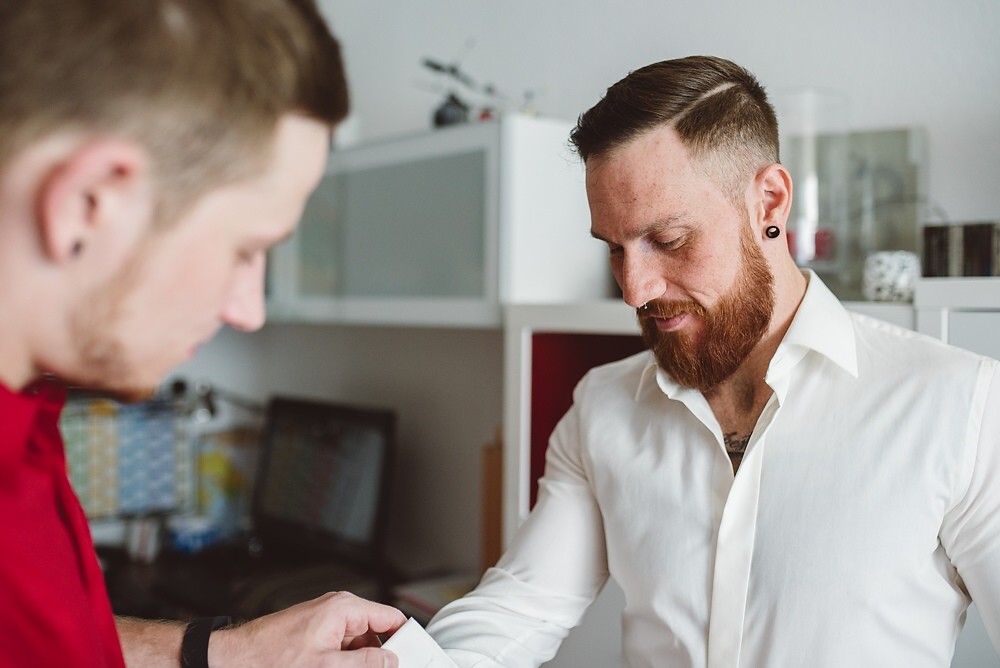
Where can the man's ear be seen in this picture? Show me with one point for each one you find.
(97, 187)
(773, 189)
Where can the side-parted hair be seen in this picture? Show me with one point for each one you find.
(200, 84)
(719, 110)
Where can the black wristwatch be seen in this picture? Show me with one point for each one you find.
(194, 647)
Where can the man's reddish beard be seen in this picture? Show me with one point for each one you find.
(731, 328)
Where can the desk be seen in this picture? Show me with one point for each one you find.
(223, 582)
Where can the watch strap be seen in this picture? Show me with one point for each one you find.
(194, 646)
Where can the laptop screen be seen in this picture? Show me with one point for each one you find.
(322, 480)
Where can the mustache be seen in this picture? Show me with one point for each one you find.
(669, 309)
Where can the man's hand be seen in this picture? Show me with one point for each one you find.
(336, 630)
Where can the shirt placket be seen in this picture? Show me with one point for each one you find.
(737, 532)
(733, 553)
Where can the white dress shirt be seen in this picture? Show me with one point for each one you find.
(865, 513)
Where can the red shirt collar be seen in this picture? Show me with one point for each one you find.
(19, 411)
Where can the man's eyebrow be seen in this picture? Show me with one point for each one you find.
(654, 227)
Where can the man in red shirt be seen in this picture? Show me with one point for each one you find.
(150, 153)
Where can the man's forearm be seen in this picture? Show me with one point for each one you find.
(335, 629)
(149, 644)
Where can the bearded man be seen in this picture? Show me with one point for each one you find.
(780, 482)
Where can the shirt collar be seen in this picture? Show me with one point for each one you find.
(19, 412)
(820, 324)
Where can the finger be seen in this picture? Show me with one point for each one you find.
(369, 657)
(364, 616)
(369, 639)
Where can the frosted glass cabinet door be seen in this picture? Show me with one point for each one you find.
(441, 228)
(409, 229)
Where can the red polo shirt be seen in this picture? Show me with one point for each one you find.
(54, 608)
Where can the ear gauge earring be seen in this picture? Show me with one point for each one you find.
(772, 231)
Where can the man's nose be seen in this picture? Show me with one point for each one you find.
(245, 308)
(640, 279)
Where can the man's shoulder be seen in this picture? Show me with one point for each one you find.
(892, 344)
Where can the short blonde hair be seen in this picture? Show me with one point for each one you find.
(201, 84)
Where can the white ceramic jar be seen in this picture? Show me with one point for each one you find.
(890, 276)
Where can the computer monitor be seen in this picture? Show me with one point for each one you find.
(323, 481)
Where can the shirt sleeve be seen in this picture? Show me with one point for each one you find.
(971, 532)
(557, 563)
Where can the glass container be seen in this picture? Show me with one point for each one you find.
(812, 126)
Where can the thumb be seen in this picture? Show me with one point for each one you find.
(367, 657)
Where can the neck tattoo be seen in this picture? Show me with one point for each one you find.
(736, 446)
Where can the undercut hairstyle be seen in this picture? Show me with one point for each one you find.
(719, 110)
(199, 84)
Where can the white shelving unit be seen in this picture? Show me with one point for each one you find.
(520, 323)
(443, 228)
(961, 311)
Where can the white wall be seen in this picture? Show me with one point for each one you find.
(445, 386)
(902, 63)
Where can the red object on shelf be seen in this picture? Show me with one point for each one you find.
(558, 362)
(824, 248)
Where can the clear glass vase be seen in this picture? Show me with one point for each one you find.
(813, 129)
